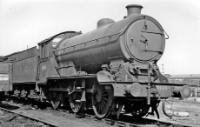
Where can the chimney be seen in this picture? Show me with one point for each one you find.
(134, 9)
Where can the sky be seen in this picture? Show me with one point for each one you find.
(24, 23)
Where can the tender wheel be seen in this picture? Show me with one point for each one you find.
(102, 98)
(75, 101)
(55, 100)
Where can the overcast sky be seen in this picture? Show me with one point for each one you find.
(24, 23)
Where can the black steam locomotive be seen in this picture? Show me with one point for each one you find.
(109, 69)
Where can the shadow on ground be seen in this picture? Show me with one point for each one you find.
(9, 107)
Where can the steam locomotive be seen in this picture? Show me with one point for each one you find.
(109, 69)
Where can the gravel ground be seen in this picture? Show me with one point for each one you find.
(189, 109)
(12, 120)
(185, 112)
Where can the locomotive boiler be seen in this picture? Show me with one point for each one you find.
(137, 39)
(109, 69)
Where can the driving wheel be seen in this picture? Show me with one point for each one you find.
(102, 98)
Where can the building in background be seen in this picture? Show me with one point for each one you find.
(193, 80)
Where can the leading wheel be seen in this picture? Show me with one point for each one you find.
(139, 110)
(102, 100)
(55, 100)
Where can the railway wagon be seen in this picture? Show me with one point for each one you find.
(111, 68)
(5, 78)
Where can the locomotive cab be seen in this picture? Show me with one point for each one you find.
(48, 66)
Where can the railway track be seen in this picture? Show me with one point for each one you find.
(63, 118)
